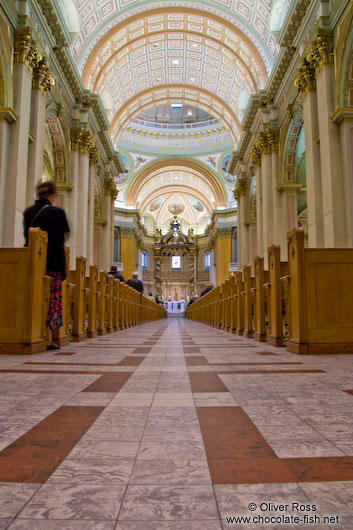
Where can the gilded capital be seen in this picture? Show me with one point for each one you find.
(225, 232)
(305, 79)
(110, 189)
(23, 48)
(43, 77)
(81, 140)
(321, 52)
(240, 188)
(256, 154)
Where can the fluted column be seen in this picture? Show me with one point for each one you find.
(7, 117)
(73, 196)
(82, 200)
(313, 170)
(42, 82)
(90, 228)
(256, 159)
(110, 193)
(344, 119)
(16, 174)
(330, 148)
(276, 195)
(240, 193)
(267, 194)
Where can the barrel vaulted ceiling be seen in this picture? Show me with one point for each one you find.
(137, 54)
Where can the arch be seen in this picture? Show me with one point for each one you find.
(119, 33)
(61, 163)
(288, 147)
(6, 93)
(237, 60)
(166, 94)
(278, 15)
(183, 164)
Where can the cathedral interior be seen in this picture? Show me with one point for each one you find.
(202, 152)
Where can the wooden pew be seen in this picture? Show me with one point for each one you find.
(25, 293)
(261, 278)
(321, 298)
(277, 270)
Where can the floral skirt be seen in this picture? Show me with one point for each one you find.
(55, 311)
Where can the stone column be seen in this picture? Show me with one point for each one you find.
(128, 250)
(42, 82)
(110, 194)
(313, 171)
(276, 195)
(7, 117)
(256, 159)
(344, 119)
(90, 228)
(82, 197)
(223, 247)
(240, 193)
(73, 196)
(267, 193)
(330, 148)
(16, 175)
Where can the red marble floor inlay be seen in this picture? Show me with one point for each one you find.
(33, 457)
(127, 361)
(266, 353)
(324, 469)
(66, 353)
(56, 372)
(109, 382)
(267, 372)
(200, 360)
(206, 382)
(348, 391)
(196, 361)
(236, 451)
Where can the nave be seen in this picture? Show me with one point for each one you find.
(174, 426)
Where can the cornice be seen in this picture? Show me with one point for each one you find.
(343, 115)
(7, 114)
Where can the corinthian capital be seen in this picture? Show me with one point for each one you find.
(240, 188)
(43, 77)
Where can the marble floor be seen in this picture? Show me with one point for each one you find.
(175, 426)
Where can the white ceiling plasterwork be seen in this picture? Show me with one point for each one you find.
(98, 17)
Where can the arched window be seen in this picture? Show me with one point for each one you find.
(278, 15)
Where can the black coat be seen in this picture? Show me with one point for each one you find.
(136, 284)
(52, 220)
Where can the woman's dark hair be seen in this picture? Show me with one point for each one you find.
(44, 189)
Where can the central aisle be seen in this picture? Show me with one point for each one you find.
(174, 426)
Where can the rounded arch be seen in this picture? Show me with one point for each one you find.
(118, 35)
(166, 94)
(290, 135)
(60, 148)
(6, 93)
(237, 60)
(155, 168)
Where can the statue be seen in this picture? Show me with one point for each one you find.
(158, 235)
(191, 235)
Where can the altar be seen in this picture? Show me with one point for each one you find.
(177, 306)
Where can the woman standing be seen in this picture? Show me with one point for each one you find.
(51, 219)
